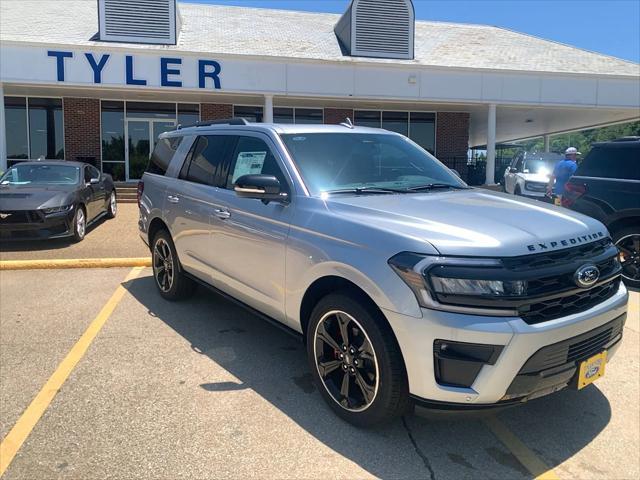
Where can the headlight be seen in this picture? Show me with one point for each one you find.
(473, 285)
(49, 211)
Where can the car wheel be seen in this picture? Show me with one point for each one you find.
(79, 224)
(112, 206)
(517, 190)
(355, 361)
(628, 242)
(172, 283)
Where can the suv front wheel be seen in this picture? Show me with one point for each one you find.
(171, 281)
(355, 361)
(628, 242)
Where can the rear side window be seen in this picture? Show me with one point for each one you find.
(205, 159)
(612, 162)
(162, 155)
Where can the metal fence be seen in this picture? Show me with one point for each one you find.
(471, 170)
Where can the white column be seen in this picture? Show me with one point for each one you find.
(547, 143)
(3, 133)
(491, 145)
(268, 109)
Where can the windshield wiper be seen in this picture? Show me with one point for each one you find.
(434, 186)
(362, 190)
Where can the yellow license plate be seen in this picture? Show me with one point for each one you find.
(592, 369)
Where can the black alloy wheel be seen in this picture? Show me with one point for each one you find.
(355, 360)
(346, 361)
(171, 281)
(628, 244)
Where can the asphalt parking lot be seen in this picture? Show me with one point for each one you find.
(203, 389)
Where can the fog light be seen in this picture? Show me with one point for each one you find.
(458, 364)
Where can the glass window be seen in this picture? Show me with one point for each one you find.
(331, 161)
(365, 118)
(112, 118)
(115, 169)
(41, 174)
(282, 115)
(612, 162)
(252, 114)
(205, 159)
(15, 109)
(162, 155)
(188, 113)
(151, 110)
(423, 130)
(396, 122)
(252, 156)
(46, 138)
(309, 116)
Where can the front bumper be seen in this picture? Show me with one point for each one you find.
(503, 382)
(34, 225)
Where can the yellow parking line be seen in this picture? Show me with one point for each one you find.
(30, 417)
(525, 456)
(74, 263)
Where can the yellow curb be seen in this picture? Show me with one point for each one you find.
(74, 263)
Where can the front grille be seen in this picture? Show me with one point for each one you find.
(20, 216)
(568, 305)
(574, 349)
(558, 257)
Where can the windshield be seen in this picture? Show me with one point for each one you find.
(31, 174)
(343, 161)
(543, 164)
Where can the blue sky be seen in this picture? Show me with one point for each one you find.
(611, 27)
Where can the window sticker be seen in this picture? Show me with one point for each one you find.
(248, 163)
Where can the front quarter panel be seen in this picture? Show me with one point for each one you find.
(323, 244)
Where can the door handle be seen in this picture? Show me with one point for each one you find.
(173, 199)
(222, 214)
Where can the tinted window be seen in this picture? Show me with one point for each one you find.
(612, 162)
(46, 136)
(162, 155)
(15, 109)
(252, 156)
(205, 159)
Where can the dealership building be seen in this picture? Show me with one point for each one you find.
(99, 80)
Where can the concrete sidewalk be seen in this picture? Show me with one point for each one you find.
(117, 238)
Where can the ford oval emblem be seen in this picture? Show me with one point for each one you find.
(586, 276)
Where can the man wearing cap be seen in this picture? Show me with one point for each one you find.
(562, 172)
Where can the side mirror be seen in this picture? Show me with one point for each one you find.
(261, 187)
(94, 180)
(513, 170)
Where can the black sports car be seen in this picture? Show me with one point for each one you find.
(53, 199)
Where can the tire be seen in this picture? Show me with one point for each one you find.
(112, 205)
(171, 282)
(628, 242)
(79, 224)
(517, 191)
(371, 363)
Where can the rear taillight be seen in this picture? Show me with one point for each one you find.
(572, 192)
(140, 191)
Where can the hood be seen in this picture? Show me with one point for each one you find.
(472, 222)
(535, 177)
(33, 198)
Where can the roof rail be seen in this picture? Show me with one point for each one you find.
(629, 138)
(208, 123)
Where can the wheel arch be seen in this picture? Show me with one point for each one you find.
(155, 226)
(624, 222)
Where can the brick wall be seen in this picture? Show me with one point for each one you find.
(335, 116)
(82, 128)
(215, 111)
(452, 134)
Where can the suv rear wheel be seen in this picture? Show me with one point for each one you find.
(172, 283)
(628, 242)
(355, 361)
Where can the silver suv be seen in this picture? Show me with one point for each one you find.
(407, 286)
